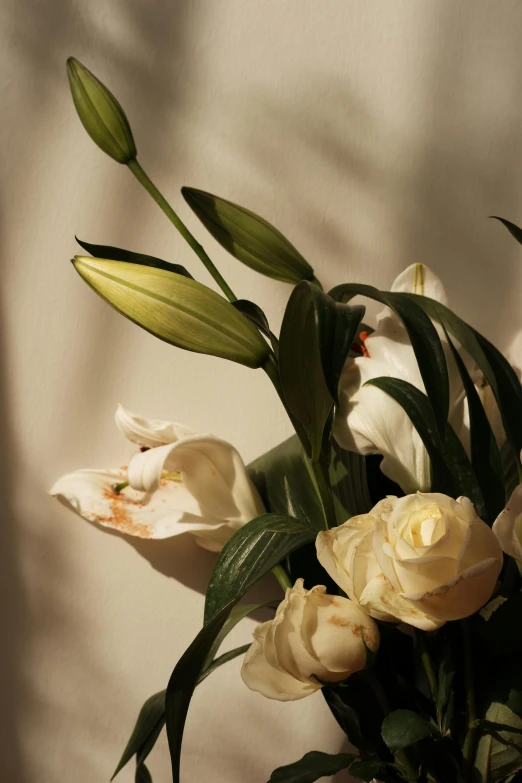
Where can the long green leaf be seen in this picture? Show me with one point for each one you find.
(300, 364)
(513, 229)
(424, 339)
(252, 551)
(485, 454)
(248, 237)
(453, 472)
(151, 718)
(497, 371)
(311, 767)
(283, 481)
(146, 731)
(118, 254)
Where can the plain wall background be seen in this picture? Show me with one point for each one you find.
(373, 134)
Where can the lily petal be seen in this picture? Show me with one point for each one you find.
(149, 432)
(171, 511)
(211, 470)
(508, 526)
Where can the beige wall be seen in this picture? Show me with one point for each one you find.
(374, 134)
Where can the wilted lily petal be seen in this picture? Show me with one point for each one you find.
(371, 422)
(182, 483)
(508, 526)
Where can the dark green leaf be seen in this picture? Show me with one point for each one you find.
(224, 658)
(252, 551)
(349, 484)
(513, 229)
(424, 339)
(304, 387)
(118, 254)
(485, 455)
(453, 473)
(142, 774)
(236, 615)
(254, 313)
(311, 767)
(249, 238)
(366, 770)
(347, 718)
(403, 728)
(183, 681)
(152, 715)
(283, 481)
(445, 704)
(147, 729)
(488, 725)
(501, 635)
(496, 370)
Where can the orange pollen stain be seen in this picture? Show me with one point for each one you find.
(120, 517)
(363, 336)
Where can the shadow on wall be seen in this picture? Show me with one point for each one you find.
(428, 201)
(418, 190)
(40, 39)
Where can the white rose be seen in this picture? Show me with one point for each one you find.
(422, 559)
(179, 482)
(508, 526)
(313, 635)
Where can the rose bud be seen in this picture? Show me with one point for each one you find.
(313, 639)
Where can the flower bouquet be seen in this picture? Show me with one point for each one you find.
(392, 519)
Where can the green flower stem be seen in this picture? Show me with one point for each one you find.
(468, 750)
(318, 471)
(427, 663)
(151, 188)
(325, 493)
(282, 577)
(401, 757)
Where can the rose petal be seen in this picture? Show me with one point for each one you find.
(268, 680)
(462, 596)
(379, 598)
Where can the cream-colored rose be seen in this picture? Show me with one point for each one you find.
(422, 559)
(313, 638)
(508, 526)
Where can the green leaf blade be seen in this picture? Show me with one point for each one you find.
(252, 552)
(311, 767)
(403, 728)
(119, 254)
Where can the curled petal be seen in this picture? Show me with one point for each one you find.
(508, 526)
(274, 683)
(380, 598)
(462, 596)
(335, 630)
(149, 432)
(211, 470)
(171, 511)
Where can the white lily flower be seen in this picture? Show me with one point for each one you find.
(371, 422)
(179, 482)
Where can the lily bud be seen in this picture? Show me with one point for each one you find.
(100, 113)
(175, 308)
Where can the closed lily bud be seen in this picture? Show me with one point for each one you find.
(100, 113)
(175, 308)
(314, 638)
